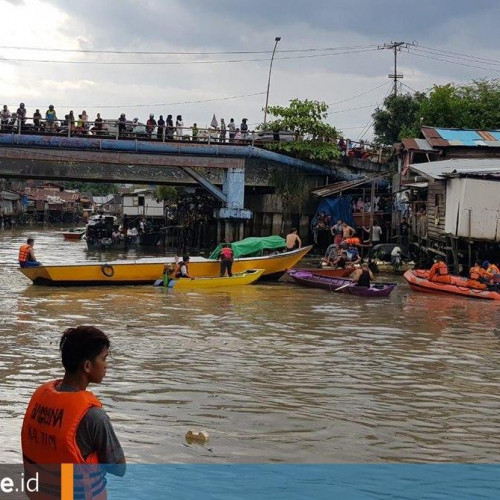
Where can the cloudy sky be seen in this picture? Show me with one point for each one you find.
(199, 57)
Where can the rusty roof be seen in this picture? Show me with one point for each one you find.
(338, 187)
(418, 145)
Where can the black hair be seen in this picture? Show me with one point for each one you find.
(185, 258)
(30, 241)
(80, 344)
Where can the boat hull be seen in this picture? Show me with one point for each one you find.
(331, 273)
(73, 235)
(417, 279)
(210, 282)
(147, 271)
(313, 280)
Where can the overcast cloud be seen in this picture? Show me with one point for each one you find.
(465, 28)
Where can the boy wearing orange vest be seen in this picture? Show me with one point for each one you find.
(65, 423)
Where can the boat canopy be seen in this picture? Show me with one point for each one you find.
(252, 247)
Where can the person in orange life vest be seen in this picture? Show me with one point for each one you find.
(492, 269)
(439, 271)
(27, 254)
(65, 423)
(478, 277)
(226, 260)
(182, 270)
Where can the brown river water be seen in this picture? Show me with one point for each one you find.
(273, 372)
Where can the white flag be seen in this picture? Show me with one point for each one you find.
(214, 123)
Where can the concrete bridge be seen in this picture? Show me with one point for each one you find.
(148, 162)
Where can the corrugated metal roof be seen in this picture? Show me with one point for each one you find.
(338, 187)
(443, 137)
(437, 169)
(418, 145)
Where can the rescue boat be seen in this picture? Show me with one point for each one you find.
(418, 281)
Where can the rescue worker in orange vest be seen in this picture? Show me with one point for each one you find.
(65, 423)
(226, 260)
(439, 271)
(493, 270)
(478, 277)
(27, 254)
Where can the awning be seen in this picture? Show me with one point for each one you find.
(417, 185)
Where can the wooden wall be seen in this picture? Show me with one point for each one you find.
(436, 210)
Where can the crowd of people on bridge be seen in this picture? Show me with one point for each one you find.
(159, 129)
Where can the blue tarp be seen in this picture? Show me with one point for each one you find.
(338, 208)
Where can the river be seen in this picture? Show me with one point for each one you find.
(273, 372)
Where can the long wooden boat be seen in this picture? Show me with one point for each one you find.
(327, 271)
(147, 271)
(244, 278)
(418, 281)
(73, 234)
(310, 279)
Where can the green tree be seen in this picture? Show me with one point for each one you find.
(397, 118)
(168, 194)
(475, 105)
(315, 140)
(95, 188)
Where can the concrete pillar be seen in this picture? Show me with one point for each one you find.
(219, 231)
(304, 228)
(228, 230)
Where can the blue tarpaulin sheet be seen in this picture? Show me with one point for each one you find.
(337, 208)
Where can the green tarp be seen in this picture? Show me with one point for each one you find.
(252, 247)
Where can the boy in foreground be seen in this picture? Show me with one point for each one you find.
(65, 423)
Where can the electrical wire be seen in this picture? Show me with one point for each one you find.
(359, 95)
(147, 52)
(169, 63)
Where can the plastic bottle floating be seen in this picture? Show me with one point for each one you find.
(199, 437)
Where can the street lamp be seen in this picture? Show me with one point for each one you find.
(276, 40)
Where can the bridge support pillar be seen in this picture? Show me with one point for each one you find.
(234, 213)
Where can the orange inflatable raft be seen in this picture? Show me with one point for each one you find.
(417, 279)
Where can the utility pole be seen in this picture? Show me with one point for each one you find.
(276, 40)
(396, 47)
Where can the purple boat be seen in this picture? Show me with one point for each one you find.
(341, 285)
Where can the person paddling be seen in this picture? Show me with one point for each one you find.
(363, 275)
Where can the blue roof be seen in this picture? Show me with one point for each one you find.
(465, 137)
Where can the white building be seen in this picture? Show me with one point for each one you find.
(142, 203)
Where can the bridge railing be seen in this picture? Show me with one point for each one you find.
(113, 129)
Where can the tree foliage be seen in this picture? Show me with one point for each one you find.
(168, 194)
(95, 188)
(475, 105)
(315, 140)
(398, 114)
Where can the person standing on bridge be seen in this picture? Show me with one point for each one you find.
(232, 129)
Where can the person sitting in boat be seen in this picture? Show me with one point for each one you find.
(27, 254)
(478, 277)
(182, 270)
(331, 255)
(363, 275)
(492, 269)
(353, 254)
(439, 271)
(226, 260)
(293, 240)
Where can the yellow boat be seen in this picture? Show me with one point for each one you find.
(147, 271)
(204, 282)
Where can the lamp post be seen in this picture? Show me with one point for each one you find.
(276, 40)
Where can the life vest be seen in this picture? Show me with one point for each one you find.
(353, 241)
(24, 253)
(48, 437)
(50, 115)
(226, 253)
(477, 272)
(178, 271)
(439, 272)
(492, 269)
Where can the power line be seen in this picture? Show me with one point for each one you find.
(358, 95)
(168, 63)
(109, 106)
(459, 55)
(152, 52)
(353, 109)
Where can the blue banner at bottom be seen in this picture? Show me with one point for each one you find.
(299, 481)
